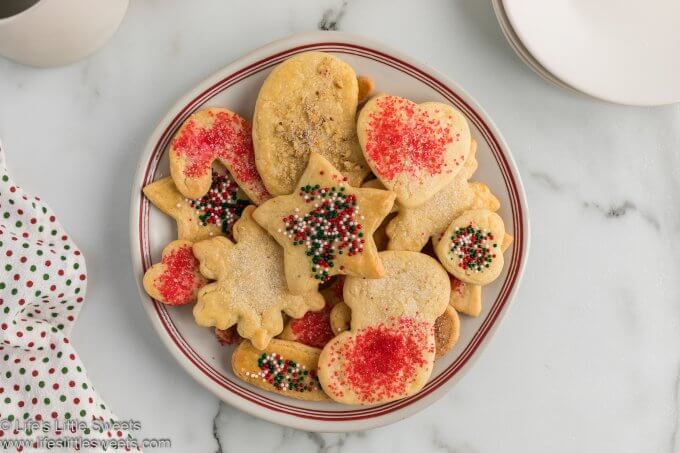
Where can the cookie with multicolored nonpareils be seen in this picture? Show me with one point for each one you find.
(308, 103)
(176, 280)
(250, 288)
(415, 150)
(284, 367)
(209, 135)
(326, 227)
(471, 247)
(389, 350)
(214, 214)
(412, 228)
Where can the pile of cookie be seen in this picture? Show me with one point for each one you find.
(335, 240)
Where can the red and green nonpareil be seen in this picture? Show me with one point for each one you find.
(284, 374)
(332, 228)
(221, 205)
(475, 248)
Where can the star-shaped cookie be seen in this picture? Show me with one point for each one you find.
(212, 215)
(413, 227)
(250, 288)
(326, 227)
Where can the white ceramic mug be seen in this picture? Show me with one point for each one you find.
(47, 33)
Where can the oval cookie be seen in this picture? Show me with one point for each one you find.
(414, 149)
(308, 103)
(284, 367)
(471, 247)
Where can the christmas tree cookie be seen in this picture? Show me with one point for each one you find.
(250, 289)
(325, 227)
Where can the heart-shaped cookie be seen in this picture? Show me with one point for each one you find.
(414, 149)
(176, 279)
(389, 350)
(209, 135)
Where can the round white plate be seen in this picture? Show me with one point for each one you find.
(521, 51)
(236, 87)
(622, 51)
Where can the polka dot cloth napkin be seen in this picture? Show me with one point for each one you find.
(42, 287)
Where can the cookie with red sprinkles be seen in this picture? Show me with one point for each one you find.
(283, 367)
(412, 228)
(326, 227)
(250, 290)
(176, 279)
(214, 214)
(471, 247)
(414, 149)
(209, 135)
(390, 348)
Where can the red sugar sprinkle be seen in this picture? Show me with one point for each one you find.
(399, 128)
(229, 139)
(382, 360)
(314, 328)
(180, 281)
(457, 285)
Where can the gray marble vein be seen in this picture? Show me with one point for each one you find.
(330, 21)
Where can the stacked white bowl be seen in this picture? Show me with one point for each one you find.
(622, 51)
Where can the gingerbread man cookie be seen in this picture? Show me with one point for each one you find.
(250, 290)
(212, 215)
(471, 247)
(389, 351)
(209, 135)
(414, 149)
(176, 280)
(283, 367)
(413, 227)
(308, 103)
(325, 227)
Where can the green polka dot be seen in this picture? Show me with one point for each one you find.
(14, 291)
(67, 415)
(53, 232)
(76, 266)
(8, 400)
(46, 276)
(68, 282)
(2, 286)
(64, 370)
(25, 245)
(5, 178)
(6, 310)
(27, 388)
(84, 386)
(41, 228)
(8, 267)
(10, 418)
(32, 268)
(39, 253)
(62, 398)
(6, 215)
(8, 374)
(46, 401)
(22, 370)
(82, 413)
(41, 384)
(19, 224)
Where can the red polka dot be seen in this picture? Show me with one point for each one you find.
(82, 277)
(16, 277)
(12, 189)
(22, 301)
(55, 415)
(52, 218)
(33, 221)
(34, 373)
(48, 263)
(29, 283)
(23, 259)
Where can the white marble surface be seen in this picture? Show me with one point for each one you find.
(587, 360)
